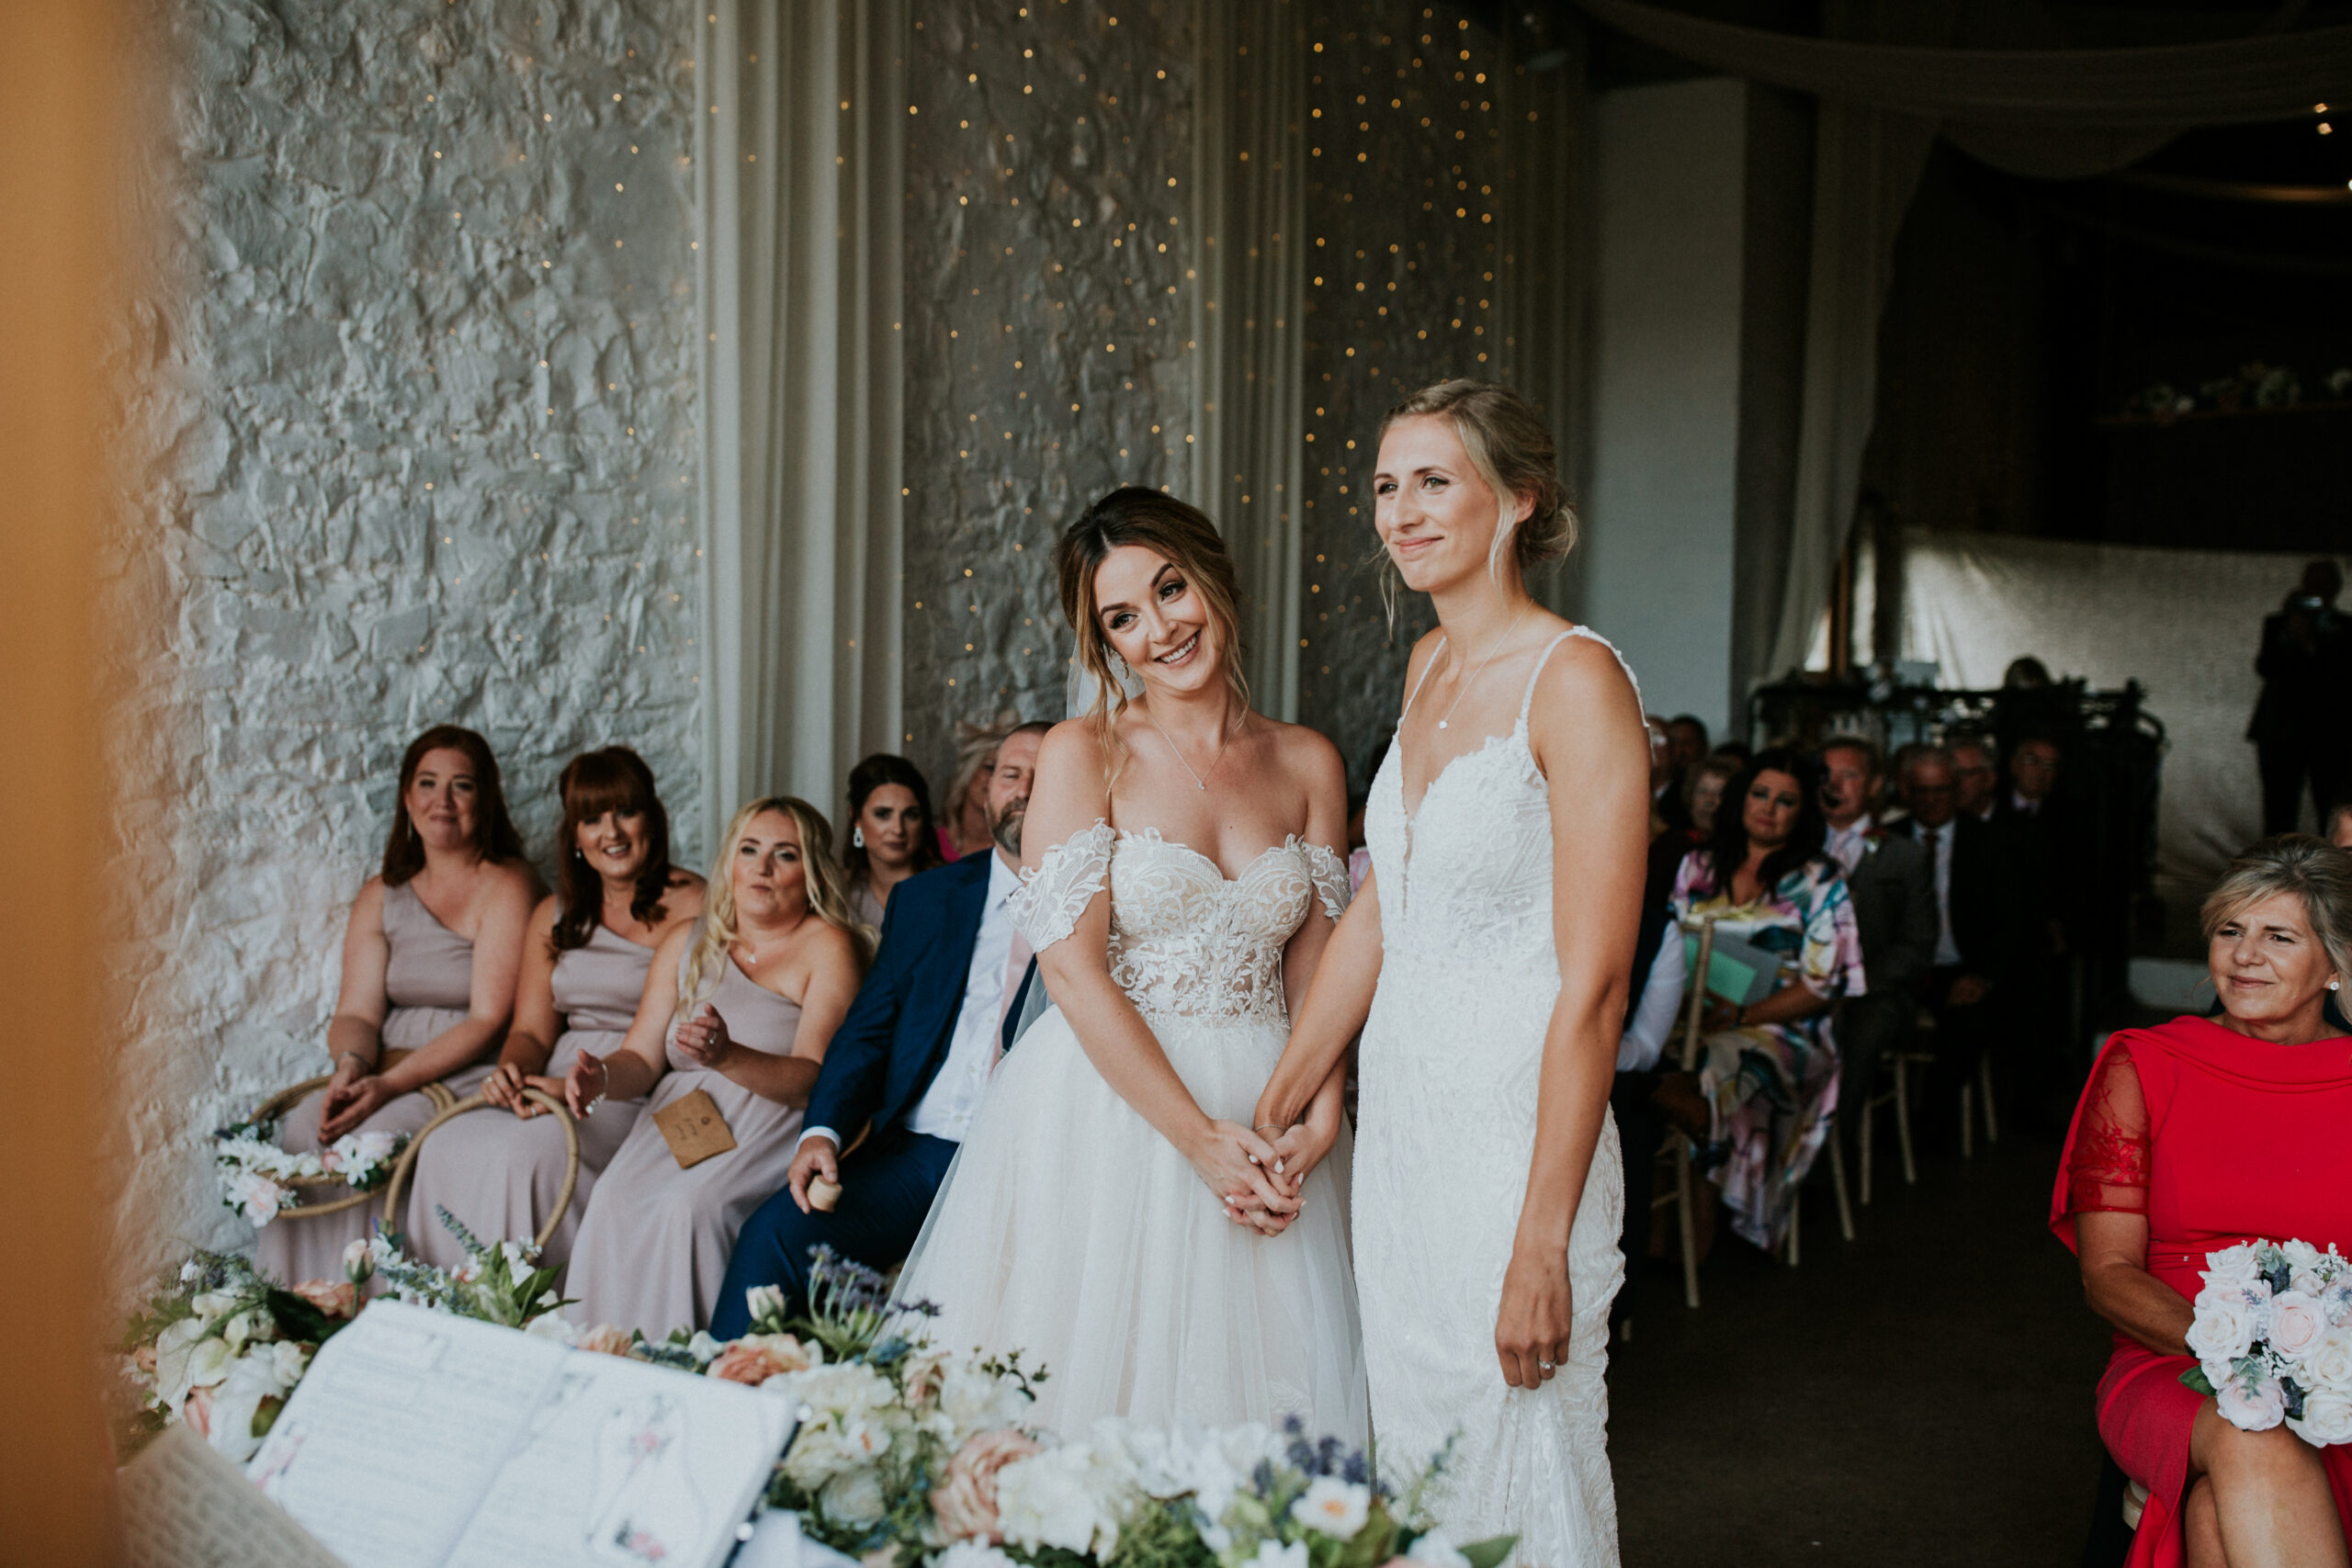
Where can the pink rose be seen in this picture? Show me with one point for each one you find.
(2296, 1323)
(756, 1357)
(339, 1298)
(604, 1340)
(965, 1504)
(197, 1411)
(2252, 1410)
(144, 1359)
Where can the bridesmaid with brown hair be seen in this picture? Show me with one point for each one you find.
(738, 1009)
(430, 959)
(584, 963)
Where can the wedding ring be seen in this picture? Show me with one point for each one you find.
(1545, 1367)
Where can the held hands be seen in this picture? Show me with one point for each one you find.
(1531, 1327)
(817, 1160)
(1296, 1152)
(353, 1096)
(703, 1039)
(506, 1083)
(1237, 1166)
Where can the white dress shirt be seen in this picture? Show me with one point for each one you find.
(946, 1108)
(1644, 1042)
(1946, 950)
(1845, 845)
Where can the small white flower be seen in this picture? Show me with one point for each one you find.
(855, 1498)
(553, 1326)
(1436, 1550)
(190, 1272)
(764, 1302)
(1336, 1508)
(972, 1554)
(1274, 1554)
(703, 1347)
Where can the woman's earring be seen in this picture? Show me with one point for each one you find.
(857, 837)
(2335, 985)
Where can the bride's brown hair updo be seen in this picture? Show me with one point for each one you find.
(1180, 535)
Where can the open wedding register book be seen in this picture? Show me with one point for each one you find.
(420, 1440)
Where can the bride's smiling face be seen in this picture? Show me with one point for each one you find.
(1151, 618)
(1436, 514)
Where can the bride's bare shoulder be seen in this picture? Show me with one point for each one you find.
(1309, 753)
(1585, 682)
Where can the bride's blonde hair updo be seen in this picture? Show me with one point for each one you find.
(1180, 535)
(1507, 441)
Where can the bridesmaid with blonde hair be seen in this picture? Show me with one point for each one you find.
(738, 1009)
(584, 964)
(429, 962)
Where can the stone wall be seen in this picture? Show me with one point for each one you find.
(1049, 347)
(410, 438)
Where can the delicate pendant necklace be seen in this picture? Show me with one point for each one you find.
(1482, 666)
(1198, 781)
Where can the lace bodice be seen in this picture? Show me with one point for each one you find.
(1467, 878)
(1184, 939)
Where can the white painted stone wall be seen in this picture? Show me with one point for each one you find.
(409, 437)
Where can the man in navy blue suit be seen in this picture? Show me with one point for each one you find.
(908, 1066)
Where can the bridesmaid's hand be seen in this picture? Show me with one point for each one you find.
(551, 1087)
(586, 1084)
(503, 1088)
(1232, 1159)
(703, 1039)
(1532, 1329)
(1301, 1149)
(347, 1103)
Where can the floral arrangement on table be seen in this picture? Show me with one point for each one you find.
(2273, 1339)
(260, 1180)
(2257, 385)
(906, 1454)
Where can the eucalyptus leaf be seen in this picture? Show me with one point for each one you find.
(1490, 1553)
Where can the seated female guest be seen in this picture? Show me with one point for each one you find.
(1760, 1104)
(584, 964)
(738, 1009)
(966, 828)
(2193, 1136)
(429, 964)
(1703, 792)
(890, 835)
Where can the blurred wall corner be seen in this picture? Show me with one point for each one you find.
(60, 116)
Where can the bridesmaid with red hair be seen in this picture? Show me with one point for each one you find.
(2196, 1136)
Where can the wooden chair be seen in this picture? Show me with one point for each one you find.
(1675, 1151)
(1969, 1094)
(1789, 1253)
(1902, 1059)
(287, 1098)
(450, 1112)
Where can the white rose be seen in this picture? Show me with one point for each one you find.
(214, 1303)
(975, 1401)
(703, 1347)
(2303, 1266)
(373, 1146)
(553, 1326)
(1071, 1497)
(2296, 1321)
(2225, 1327)
(238, 1400)
(2254, 1409)
(1274, 1554)
(1334, 1507)
(289, 1362)
(972, 1554)
(256, 1197)
(855, 1498)
(1436, 1550)
(2233, 1268)
(764, 1303)
(2327, 1418)
(2328, 1363)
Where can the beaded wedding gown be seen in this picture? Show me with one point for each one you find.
(1445, 1133)
(1071, 1231)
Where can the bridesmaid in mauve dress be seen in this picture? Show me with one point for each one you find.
(584, 964)
(739, 1006)
(429, 964)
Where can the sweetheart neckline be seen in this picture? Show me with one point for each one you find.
(1154, 836)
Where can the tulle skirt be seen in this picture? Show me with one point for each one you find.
(1069, 1230)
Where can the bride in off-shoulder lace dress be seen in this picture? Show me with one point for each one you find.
(1086, 1222)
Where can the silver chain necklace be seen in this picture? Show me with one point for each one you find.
(1198, 781)
(1482, 666)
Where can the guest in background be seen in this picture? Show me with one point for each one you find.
(1894, 892)
(738, 1009)
(2339, 826)
(1898, 775)
(2302, 724)
(430, 958)
(1739, 751)
(910, 1065)
(585, 963)
(1667, 812)
(1975, 777)
(1760, 1105)
(966, 829)
(1686, 743)
(1652, 1009)
(1977, 897)
(1703, 792)
(2025, 674)
(2193, 1136)
(891, 833)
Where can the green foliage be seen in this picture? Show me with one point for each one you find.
(1159, 1535)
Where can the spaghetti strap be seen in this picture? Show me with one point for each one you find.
(1422, 682)
(1527, 703)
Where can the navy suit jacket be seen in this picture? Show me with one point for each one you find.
(887, 1050)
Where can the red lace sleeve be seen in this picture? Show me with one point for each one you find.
(2107, 1168)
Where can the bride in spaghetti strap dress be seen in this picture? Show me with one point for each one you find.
(1485, 964)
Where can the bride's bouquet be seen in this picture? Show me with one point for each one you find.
(2273, 1339)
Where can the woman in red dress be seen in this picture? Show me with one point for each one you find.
(2194, 1136)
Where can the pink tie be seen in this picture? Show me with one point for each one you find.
(1015, 967)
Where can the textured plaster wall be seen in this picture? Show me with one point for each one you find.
(409, 437)
(1049, 345)
(1405, 190)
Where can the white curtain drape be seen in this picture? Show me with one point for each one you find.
(800, 156)
(1250, 199)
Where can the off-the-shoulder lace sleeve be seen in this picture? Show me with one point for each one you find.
(2107, 1168)
(1330, 876)
(1069, 875)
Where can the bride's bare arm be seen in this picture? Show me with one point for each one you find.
(1588, 741)
(1305, 1138)
(1068, 799)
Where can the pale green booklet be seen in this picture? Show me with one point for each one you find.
(1740, 972)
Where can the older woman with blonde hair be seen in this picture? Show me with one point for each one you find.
(738, 1009)
(2191, 1137)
